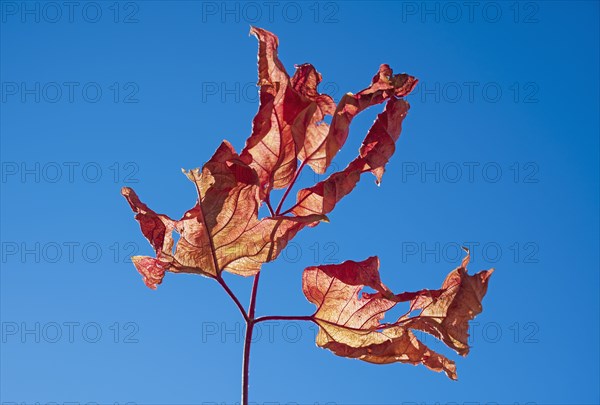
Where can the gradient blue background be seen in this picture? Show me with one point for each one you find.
(173, 54)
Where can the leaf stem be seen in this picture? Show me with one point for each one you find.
(294, 206)
(287, 191)
(304, 198)
(284, 318)
(268, 201)
(233, 297)
(252, 308)
(246, 361)
(250, 321)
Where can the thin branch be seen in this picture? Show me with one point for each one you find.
(284, 318)
(297, 174)
(248, 340)
(294, 206)
(252, 308)
(246, 362)
(306, 196)
(233, 297)
(268, 201)
(287, 191)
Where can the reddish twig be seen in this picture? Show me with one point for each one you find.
(283, 318)
(233, 297)
(248, 340)
(287, 191)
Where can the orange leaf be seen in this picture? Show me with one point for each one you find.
(384, 86)
(222, 231)
(350, 323)
(375, 152)
(286, 110)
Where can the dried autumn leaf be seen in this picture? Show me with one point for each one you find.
(158, 229)
(325, 141)
(312, 150)
(384, 86)
(350, 323)
(375, 152)
(289, 125)
(151, 269)
(446, 317)
(222, 231)
(279, 128)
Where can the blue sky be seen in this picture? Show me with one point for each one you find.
(499, 152)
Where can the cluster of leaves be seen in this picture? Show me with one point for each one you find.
(223, 231)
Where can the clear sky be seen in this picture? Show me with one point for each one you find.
(499, 152)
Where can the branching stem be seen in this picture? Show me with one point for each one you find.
(250, 320)
(270, 207)
(233, 297)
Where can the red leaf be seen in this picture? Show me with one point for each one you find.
(222, 231)
(157, 228)
(446, 317)
(375, 152)
(286, 110)
(323, 142)
(289, 124)
(312, 150)
(151, 269)
(384, 86)
(350, 324)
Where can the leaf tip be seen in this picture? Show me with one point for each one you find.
(485, 275)
(151, 269)
(193, 174)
